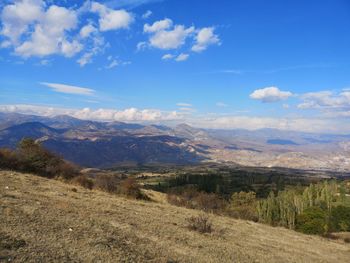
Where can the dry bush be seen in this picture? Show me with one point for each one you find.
(193, 199)
(209, 202)
(107, 183)
(200, 223)
(83, 181)
(131, 188)
(347, 240)
(242, 205)
(8, 159)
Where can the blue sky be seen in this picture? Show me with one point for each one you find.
(218, 64)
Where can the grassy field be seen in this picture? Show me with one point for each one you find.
(44, 220)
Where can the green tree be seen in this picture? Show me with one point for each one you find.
(312, 221)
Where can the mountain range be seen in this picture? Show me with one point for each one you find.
(108, 144)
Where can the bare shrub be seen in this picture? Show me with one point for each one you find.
(347, 240)
(200, 223)
(191, 198)
(83, 181)
(209, 202)
(243, 205)
(107, 183)
(8, 159)
(131, 188)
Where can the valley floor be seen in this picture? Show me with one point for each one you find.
(43, 220)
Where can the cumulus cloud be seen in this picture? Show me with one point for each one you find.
(158, 26)
(182, 57)
(324, 125)
(178, 58)
(165, 35)
(325, 100)
(270, 94)
(111, 19)
(63, 88)
(87, 30)
(129, 114)
(49, 29)
(204, 38)
(35, 28)
(167, 57)
(17, 17)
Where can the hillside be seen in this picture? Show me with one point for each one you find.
(45, 219)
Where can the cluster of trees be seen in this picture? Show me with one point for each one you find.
(30, 156)
(319, 209)
(229, 181)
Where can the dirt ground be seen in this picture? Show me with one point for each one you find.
(44, 220)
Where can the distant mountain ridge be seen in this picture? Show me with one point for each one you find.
(107, 144)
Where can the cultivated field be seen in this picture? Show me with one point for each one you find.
(44, 220)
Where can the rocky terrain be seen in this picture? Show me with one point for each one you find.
(109, 144)
(49, 220)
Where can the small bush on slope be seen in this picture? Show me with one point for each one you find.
(200, 223)
(83, 181)
(106, 183)
(131, 188)
(193, 199)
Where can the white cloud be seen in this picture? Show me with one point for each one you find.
(270, 94)
(49, 36)
(285, 106)
(63, 88)
(165, 35)
(158, 26)
(34, 31)
(17, 17)
(170, 39)
(130, 114)
(221, 104)
(183, 104)
(204, 38)
(167, 57)
(112, 19)
(86, 58)
(87, 30)
(325, 100)
(324, 125)
(141, 46)
(147, 14)
(39, 28)
(112, 64)
(95, 45)
(182, 57)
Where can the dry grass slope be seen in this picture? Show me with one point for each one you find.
(45, 221)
